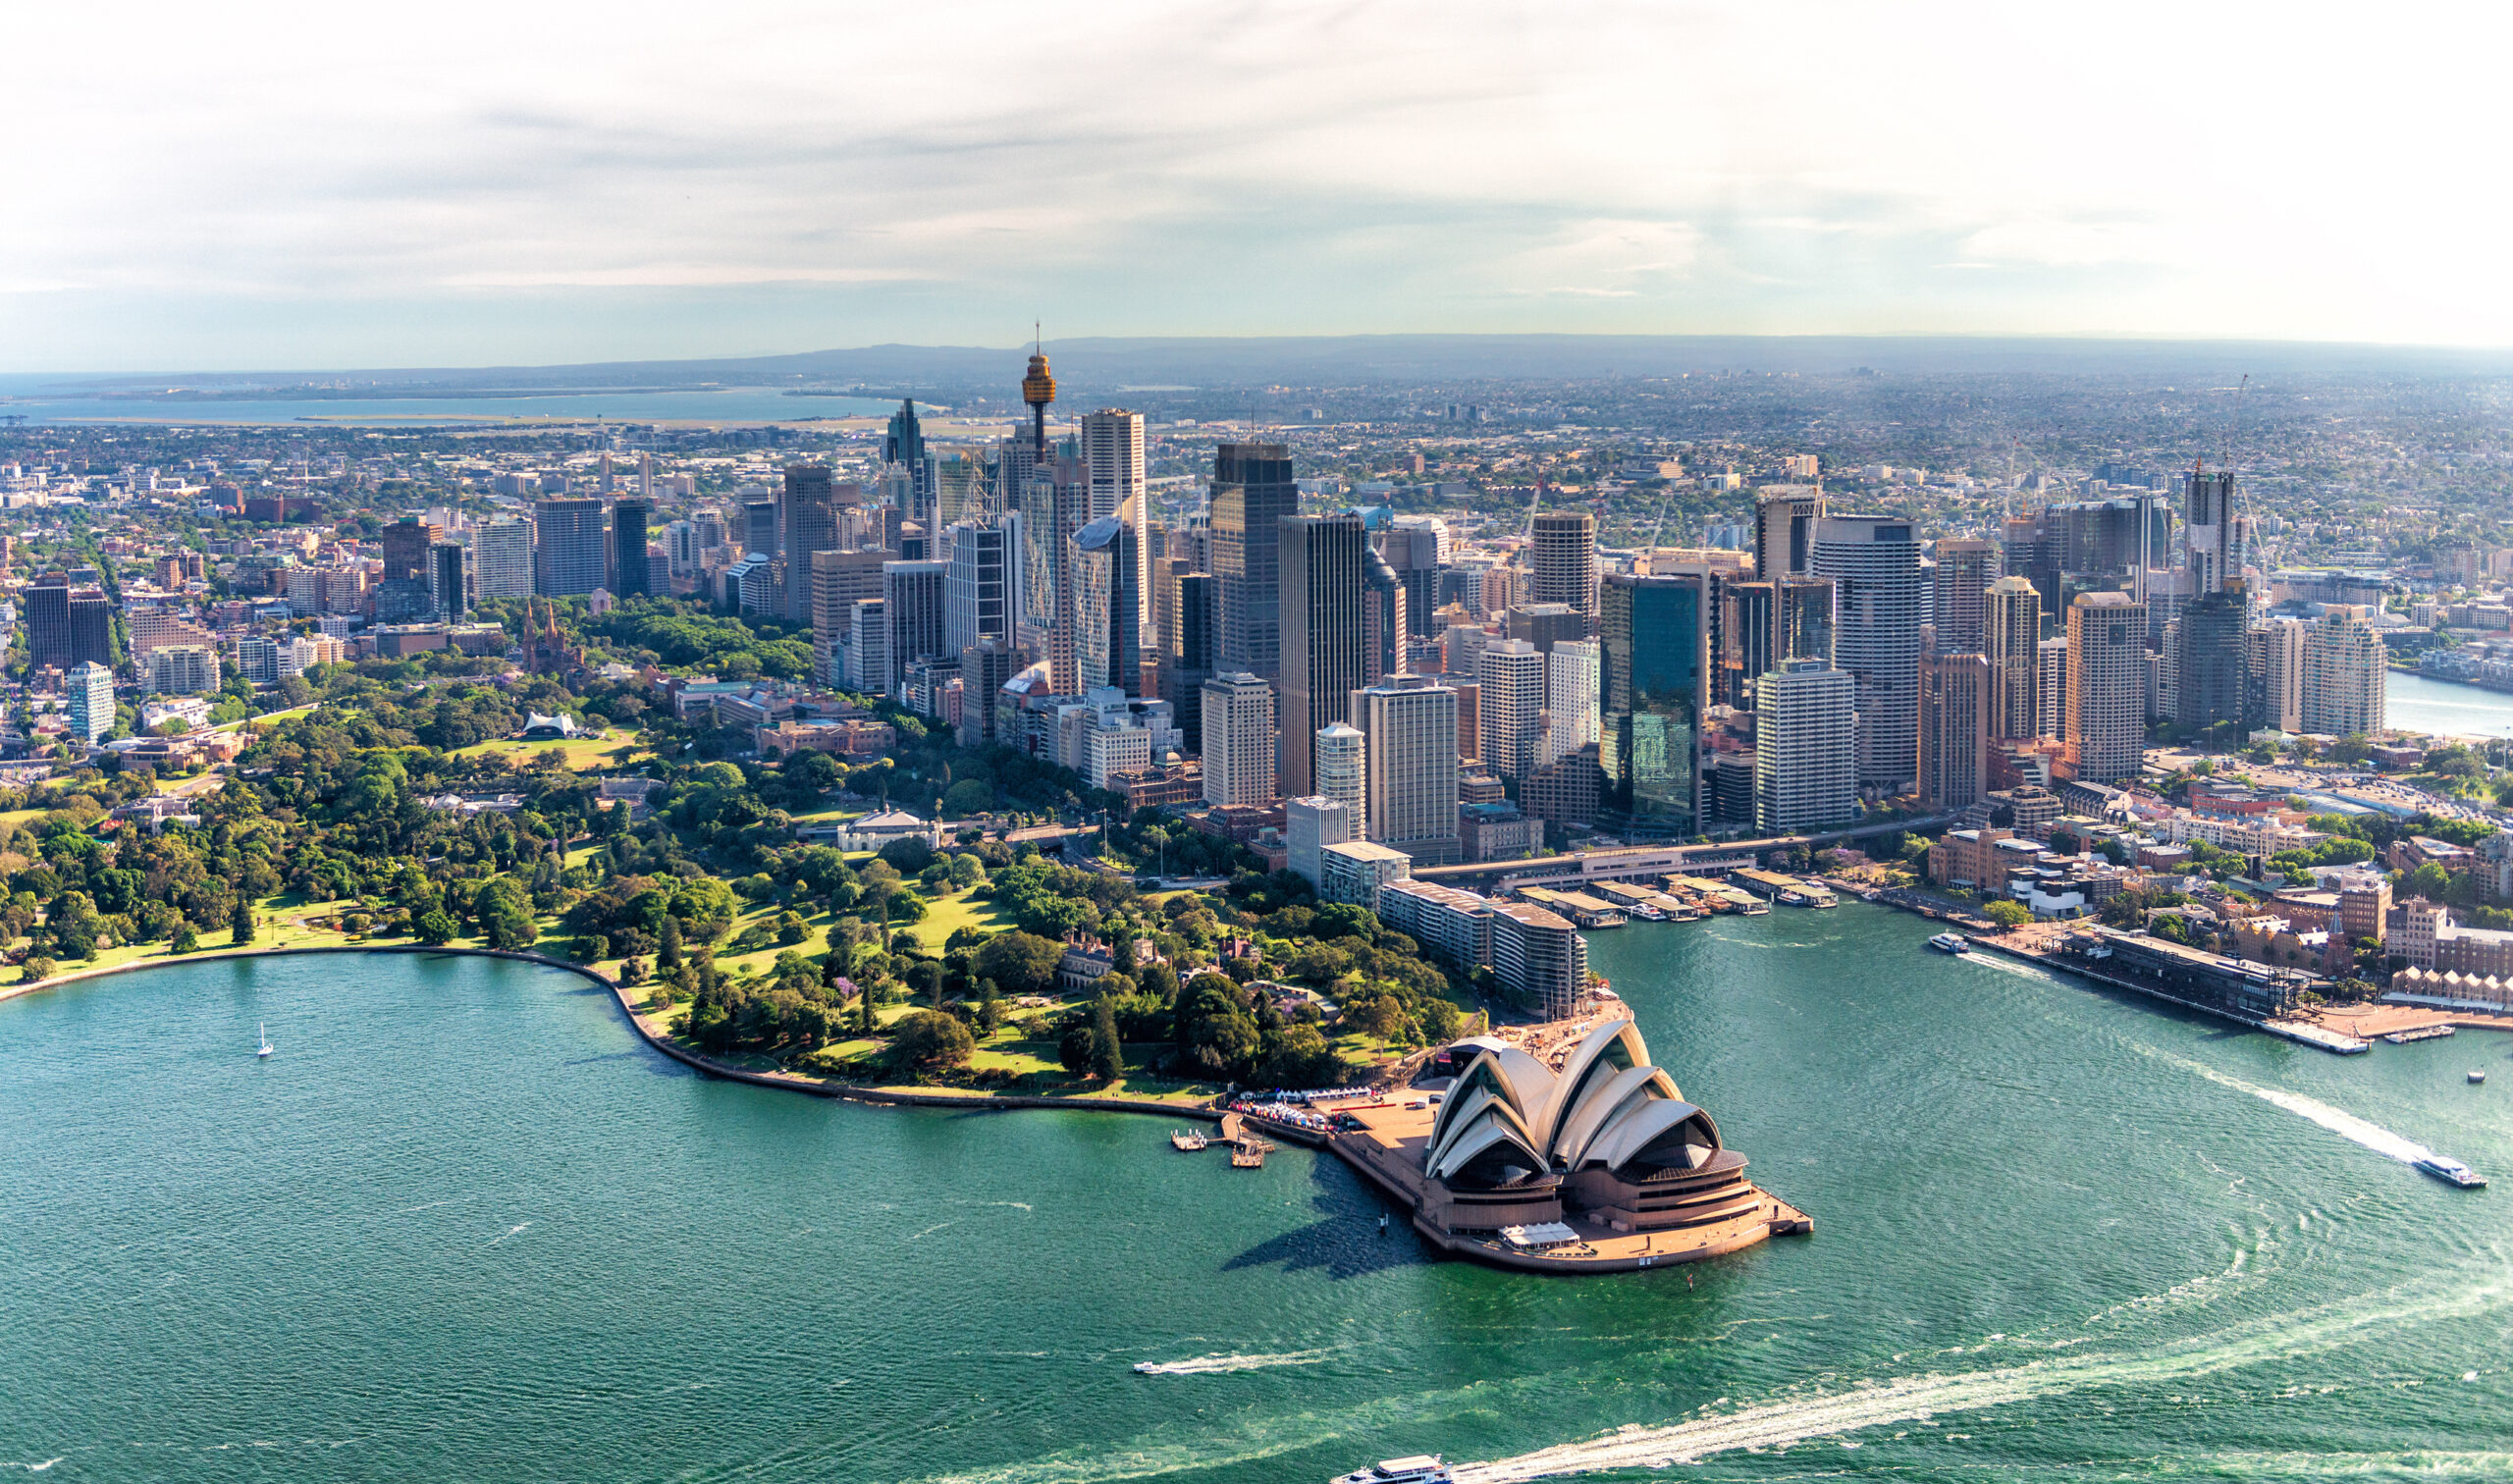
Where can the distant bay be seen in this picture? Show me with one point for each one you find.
(2414, 703)
(733, 405)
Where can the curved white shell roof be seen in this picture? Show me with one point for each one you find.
(1606, 1106)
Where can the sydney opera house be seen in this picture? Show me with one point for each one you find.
(1607, 1140)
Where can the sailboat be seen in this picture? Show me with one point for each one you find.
(267, 1048)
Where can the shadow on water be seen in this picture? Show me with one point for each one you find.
(1347, 1242)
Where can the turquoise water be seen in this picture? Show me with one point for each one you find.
(2414, 703)
(463, 1227)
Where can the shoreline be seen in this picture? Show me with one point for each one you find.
(696, 1060)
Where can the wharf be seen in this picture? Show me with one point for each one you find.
(1387, 1150)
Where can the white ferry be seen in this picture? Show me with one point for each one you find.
(1421, 1469)
(1951, 942)
(2454, 1171)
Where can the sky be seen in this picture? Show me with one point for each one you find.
(259, 185)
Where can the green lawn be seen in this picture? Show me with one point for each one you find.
(954, 910)
(579, 754)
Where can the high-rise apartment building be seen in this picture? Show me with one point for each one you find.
(2346, 669)
(1324, 646)
(2050, 687)
(1510, 706)
(90, 695)
(1563, 561)
(567, 554)
(1237, 713)
(1875, 567)
(502, 557)
(1805, 747)
(631, 570)
(1655, 635)
(1954, 730)
(912, 605)
(2107, 700)
(447, 590)
(1966, 566)
(183, 669)
(1109, 614)
(1252, 493)
(1343, 768)
(1409, 727)
(2278, 674)
(1572, 674)
(1310, 826)
(2011, 635)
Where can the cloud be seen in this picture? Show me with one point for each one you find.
(940, 173)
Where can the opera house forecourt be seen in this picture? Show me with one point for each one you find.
(1600, 1165)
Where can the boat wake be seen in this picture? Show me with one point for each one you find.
(1215, 1365)
(1914, 1398)
(2338, 1121)
(33, 1467)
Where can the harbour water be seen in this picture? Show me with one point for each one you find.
(463, 1226)
(2414, 703)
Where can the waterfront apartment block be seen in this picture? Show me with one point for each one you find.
(1357, 871)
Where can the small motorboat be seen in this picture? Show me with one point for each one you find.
(1951, 942)
(2478, 1073)
(1147, 1367)
(267, 1049)
(2453, 1171)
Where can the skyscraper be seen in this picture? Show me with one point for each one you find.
(808, 521)
(1764, 623)
(1965, 569)
(2050, 687)
(985, 667)
(1342, 770)
(1107, 610)
(66, 627)
(982, 589)
(2211, 657)
(1564, 560)
(1414, 552)
(1054, 507)
(2277, 667)
(2209, 531)
(1309, 826)
(1252, 490)
(2106, 700)
(2346, 669)
(1510, 706)
(912, 605)
(1409, 727)
(2011, 632)
(405, 545)
(447, 590)
(903, 445)
(502, 557)
(1875, 567)
(1655, 636)
(1784, 517)
(1037, 390)
(1325, 649)
(834, 584)
(1238, 741)
(1805, 747)
(1112, 449)
(1954, 730)
(568, 557)
(1571, 699)
(632, 575)
(1189, 663)
(90, 696)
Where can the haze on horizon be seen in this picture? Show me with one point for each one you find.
(258, 186)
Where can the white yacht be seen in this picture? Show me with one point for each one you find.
(1420, 1468)
(266, 1047)
(1951, 942)
(2478, 1073)
(2454, 1171)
